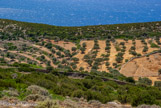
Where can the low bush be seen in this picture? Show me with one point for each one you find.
(157, 84)
(145, 81)
(34, 89)
(35, 97)
(12, 93)
(48, 104)
(92, 87)
(153, 45)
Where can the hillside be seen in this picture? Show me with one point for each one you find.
(74, 33)
(93, 62)
(44, 49)
(31, 86)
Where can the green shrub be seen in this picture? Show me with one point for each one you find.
(34, 89)
(48, 104)
(25, 69)
(36, 97)
(74, 49)
(159, 72)
(12, 93)
(81, 69)
(130, 79)
(143, 98)
(153, 45)
(78, 93)
(145, 81)
(49, 45)
(157, 84)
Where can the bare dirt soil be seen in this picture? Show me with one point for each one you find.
(149, 46)
(113, 53)
(42, 48)
(139, 47)
(66, 45)
(82, 63)
(102, 45)
(143, 67)
(153, 79)
(128, 45)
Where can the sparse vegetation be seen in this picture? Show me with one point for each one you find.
(34, 64)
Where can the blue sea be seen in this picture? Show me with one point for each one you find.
(81, 12)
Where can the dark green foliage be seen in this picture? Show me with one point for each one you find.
(75, 59)
(119, 57)
(133, 48)
(159, 72)
(130, 79)
(145, 49)
(42, 57)
(122, 43)
(2, 60)
(64, 61)
(107, 48)
(58, 53)
(49, 68)
(89, 62)
(67, 53)
(143, 98)
(49, 45)
(82, 50)
(145, 81)
(153, 45)
(90, 88)
(96, 45)
(115, 72)
(107, 64)
(157, 84)
(84, 45)
(74, 66)
(134, 53)
(81, 69)
(53, 51)
(33, 31)
(158, 40)
(26, 69)
(74, 48)
(78, 93)
(59, 47)
(10, 46)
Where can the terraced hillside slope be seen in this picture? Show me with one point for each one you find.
(98, 50)
(95, 66)
(66, 55)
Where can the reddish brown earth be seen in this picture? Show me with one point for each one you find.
(66, 45)
(81, 56)
(143, 67)
(113, 53)
(102, 45)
